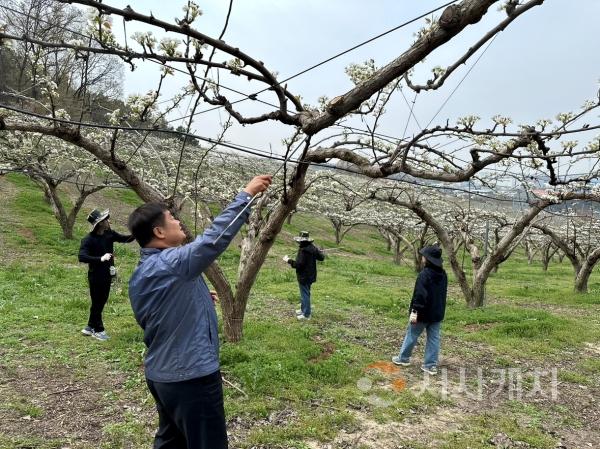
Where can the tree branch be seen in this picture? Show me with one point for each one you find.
(438, 81)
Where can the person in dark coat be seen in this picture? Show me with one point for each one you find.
(306, 271)
(97, 251)
(427, 309)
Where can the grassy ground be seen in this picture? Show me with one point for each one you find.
(319, 384)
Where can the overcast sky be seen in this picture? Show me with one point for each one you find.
(544, 63)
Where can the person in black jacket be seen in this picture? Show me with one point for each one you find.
(427, 309)
(306, 271)
(97, 251)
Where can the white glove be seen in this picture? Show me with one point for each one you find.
(286, 258)
(106, 257)
(413, 317)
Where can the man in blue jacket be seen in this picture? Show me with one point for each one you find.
(173, 305)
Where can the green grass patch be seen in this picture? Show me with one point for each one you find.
(573, 377)
(7, 442)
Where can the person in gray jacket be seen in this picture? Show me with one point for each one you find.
(173, 305)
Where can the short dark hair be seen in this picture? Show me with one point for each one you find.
(144, 219)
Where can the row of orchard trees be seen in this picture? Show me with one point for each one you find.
(131, 142)
(418, 216)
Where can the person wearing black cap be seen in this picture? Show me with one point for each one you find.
(306, 271)
(97, 251)
(427, 309)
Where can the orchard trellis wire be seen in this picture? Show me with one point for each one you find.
(253, 151)
(371, 133)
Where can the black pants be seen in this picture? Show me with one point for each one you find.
(99, 290)
(190, 413)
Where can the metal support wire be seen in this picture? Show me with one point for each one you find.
(258, 195)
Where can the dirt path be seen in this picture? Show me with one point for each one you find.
(54, 404)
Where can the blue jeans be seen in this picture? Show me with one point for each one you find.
(432, 347)
(305, 299)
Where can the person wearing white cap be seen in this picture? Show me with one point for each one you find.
(97, 251)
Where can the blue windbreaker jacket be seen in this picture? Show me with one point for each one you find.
(172, 303)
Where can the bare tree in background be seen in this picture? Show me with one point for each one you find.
(442, 219)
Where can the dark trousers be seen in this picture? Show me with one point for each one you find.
(99, 291)
(190, 413)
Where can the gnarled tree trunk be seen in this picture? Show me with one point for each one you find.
(255, 247)
(548, 251)
(482, 267)
(581, 280)
(65, 219)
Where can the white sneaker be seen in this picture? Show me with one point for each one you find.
(102, 336)
(432, 370)
(87, 331)
(396, 360)
(302, 317)
(299, 312)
